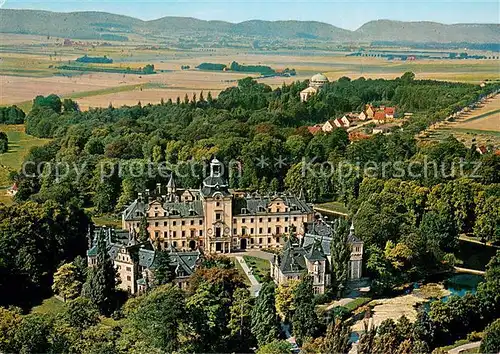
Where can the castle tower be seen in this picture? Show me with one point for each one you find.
(217, 203)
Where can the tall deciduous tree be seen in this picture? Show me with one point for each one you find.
(159, 316)
(240, 322)
(285, 301)
(264, 319)
(66, 283)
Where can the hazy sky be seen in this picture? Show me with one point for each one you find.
(348, 14)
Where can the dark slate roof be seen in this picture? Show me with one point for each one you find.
(315, 252)
(114, 241)
(184, 262)
(213, 184)
(292, 260)
(180, 209)
(256, 203)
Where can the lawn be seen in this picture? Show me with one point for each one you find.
(336, 207)
(50, 306)
(107, 220)
(260, 267)
(19, 145)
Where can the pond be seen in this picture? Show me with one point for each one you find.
(460, 284)
(457, 284)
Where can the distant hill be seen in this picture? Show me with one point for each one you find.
(100, 25)
(387, 30)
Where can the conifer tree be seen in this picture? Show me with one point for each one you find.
(163, 272)
(143, 234)
(340, 253)
(100, 287)
(304, 318)
(264, 318)
(337, 338)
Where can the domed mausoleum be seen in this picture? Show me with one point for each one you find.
(315, 84)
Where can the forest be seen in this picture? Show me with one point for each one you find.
(409, 223)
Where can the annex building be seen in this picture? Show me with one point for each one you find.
(216, 219)
(135, 261)
(311, 254)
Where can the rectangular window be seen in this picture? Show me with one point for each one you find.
(175, 234)
(201, 222)
(217, 203)
(251, 241)
(156, 223)
(277, 240)
(286, 229)
(129, 269)
(277, 219)
(192, 233)
(260, 240)
(235, 231)
(218, 232)
(183, 233)
(251, 219)
(260, 219)
(174, 223)
(157, 234)
(260, 230)
(165, 223)
(294, 218)
(269, 219)
(201, 232)
(129, 278)
(251, 231)
(192, 222)
(217, 216)
(234, 221)
(268, 240)
(268, 230)
(243, 231)
(243, 220)
(286, 218)
(183, 222)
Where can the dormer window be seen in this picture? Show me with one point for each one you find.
(244, 210)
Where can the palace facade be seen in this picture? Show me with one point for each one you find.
(215, 219)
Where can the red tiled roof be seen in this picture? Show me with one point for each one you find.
(354, 136)
(379, 115)
(314, 130)
(390, 110)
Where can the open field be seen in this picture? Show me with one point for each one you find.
(28, 67)
(19, 146)
(480, 126)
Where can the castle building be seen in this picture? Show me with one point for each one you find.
(311, 254)
(135, 262)
(315, 84)
(214, 218)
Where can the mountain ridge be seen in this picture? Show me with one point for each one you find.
(93, 24)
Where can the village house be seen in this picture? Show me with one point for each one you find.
(315, 85)
(135, 261)
(311, 254)
(369, 111)
(215, 219)
(315, 129)
(328, 126)
(379, 117)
